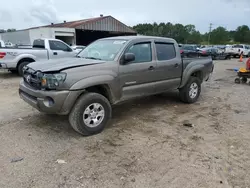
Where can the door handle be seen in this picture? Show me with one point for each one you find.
(151, 68)
(54, 53)
(176, 65)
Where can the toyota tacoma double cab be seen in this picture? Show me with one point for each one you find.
(107, 72)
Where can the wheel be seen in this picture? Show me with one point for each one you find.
(237, 80)
(191, 91)
(244, 80)
(20, 67)
(90, 114)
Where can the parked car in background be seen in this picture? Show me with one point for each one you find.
(215, 52)
(110, 71)
(237, 49)
(14, 59)
(187, 50)
(78, 48)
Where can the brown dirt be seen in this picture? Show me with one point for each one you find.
(146, 144)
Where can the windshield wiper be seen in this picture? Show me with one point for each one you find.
(95, 58)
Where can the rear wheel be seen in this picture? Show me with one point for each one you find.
(191, 91)
(244, 80)
(90, 114)
(237, 80)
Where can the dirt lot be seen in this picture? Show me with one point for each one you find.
(146, 144)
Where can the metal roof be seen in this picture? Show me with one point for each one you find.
(103, 23)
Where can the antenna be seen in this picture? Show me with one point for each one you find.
(209, 34)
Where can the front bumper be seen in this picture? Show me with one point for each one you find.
(51, 102)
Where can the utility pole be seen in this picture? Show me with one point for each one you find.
(210, 29)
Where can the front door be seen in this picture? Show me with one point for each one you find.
(137, 77)
(169, 66)
(60, 50)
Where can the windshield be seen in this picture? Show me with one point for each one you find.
(103, 49)
(188, 47)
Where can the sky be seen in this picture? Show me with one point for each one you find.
(23, 14)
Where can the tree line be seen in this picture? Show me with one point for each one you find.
(188, 34)
(7, 30)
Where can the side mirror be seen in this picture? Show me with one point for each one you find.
(128, 57)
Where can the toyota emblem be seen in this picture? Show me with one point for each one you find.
(28, 78)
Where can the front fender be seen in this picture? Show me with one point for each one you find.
(109, 80)
(190, 69)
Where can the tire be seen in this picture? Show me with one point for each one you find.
(185, 91)
(244, 80)
(76, 116)
(237, 80)
(20, 67)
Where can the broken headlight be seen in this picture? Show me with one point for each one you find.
(52, 81)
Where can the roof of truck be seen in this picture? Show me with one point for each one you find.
(139, 37)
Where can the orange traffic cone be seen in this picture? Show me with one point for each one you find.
(241, 58)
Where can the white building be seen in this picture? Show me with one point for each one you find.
(80, 32)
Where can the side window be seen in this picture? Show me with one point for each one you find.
(165, 51)
(238, 46)
(57, 45)
(142, 51)
(38, 44)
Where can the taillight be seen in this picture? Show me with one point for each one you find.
(181, 51)
(203, 52)
(2, 54)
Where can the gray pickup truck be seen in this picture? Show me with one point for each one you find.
(110, 71)
(14, 59)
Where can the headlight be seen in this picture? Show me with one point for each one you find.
(52, 81)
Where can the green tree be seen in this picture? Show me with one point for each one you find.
(219, 36)
(242, 34)
(11, 30)
(190, 35)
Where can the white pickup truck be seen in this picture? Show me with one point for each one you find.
(14, 59)
(237, 49)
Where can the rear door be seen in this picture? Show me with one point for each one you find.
(60, 50)
(137, 78)
(169, 66)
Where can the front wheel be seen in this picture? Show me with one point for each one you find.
(191, 91)
(90, 114)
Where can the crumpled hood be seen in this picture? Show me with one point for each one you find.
(55, 65)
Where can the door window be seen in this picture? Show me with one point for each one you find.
(57, 45)
(142, 51)
(165, 51)
(237, 46)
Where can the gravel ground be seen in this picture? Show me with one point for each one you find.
(146, 144)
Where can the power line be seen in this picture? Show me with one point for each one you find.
(210, 29)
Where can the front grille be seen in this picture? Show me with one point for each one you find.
(32, 78)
